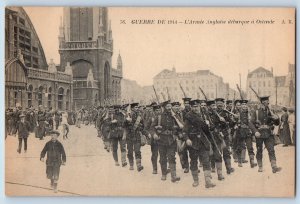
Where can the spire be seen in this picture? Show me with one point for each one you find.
(119, 61)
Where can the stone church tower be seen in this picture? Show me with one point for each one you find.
(85, 41)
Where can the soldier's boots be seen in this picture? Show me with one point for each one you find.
(123, 158)
(235, 157)
(174, 178)
(252, 162)
(139, 165)
(275, 168)
(186, 170)
(52, 183)
(55, 187)
(260, 166)
(164, 177)
(219, 171)
(117, 163)
(19, 151)
(240, 161)
(131, 165)
(207, 177)
(244, 156)
(195, 178)
(154, 171)
(229, 169)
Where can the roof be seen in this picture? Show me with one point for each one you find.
(260, 70)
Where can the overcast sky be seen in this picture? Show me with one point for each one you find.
(226, 50)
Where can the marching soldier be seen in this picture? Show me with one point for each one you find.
(105, 128)
(167, 142)
(244, 135)
(117, 136)
(265, 121)
(153, 142)
(222, 126)
(134, 126)
(219, 144)
(196, 131)
(183, 155)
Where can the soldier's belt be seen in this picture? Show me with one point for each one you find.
(264, 127)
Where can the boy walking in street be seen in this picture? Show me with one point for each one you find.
(55, 158)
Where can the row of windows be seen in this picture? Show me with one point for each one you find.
(188, 81)
(260, 84)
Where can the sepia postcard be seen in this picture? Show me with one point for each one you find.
(150, 101)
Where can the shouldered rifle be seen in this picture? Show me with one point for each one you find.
(182, 91)
(241, 95)
(203, 93)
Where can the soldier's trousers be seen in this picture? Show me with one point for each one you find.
(133, 146)
(226, 150)
(115, 142)
(217, 154)
(242, 143)
(167, 154)
(154, 156)
(184, 158)
(201, 153)
(269, 144)
(52, 171)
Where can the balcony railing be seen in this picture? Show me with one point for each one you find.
(84, 45)
(46, 75)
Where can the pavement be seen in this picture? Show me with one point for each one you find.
(90, 171)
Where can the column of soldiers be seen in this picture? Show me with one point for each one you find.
(205, 132)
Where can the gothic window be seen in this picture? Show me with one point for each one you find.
(60, 98)
(30, 89)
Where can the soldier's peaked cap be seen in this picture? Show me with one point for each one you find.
(194, 102)
(175, 104)
(264, 98)
(220, 100)
(210, 102)
(237, 101)
(202, 101)
(166, 102)
(229, 101)
(244, 101)
(186, 99)
(134, 105)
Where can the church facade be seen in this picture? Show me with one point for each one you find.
(86, 43)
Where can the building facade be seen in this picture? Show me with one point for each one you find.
(29, 80)
(281, 89)
(212, 85)
(85, 41)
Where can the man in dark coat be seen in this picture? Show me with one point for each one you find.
(134, 127)
(23, 128)
(166, 139)
(117, 135)
(56, 157)
(265, 121)
(244, 135)
(195, 134)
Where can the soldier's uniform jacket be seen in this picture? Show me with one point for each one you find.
(116, 128)
(153, 126)
(55, 153)
(134, 134)
(244, 124)
(105, 128)
(215, 126)
(168, 128)
(263, 122)
(196, 130)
